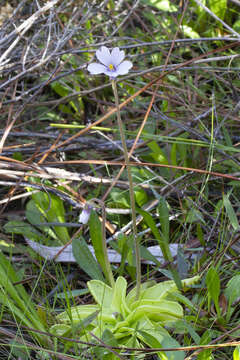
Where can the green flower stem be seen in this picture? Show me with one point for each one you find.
(108, 269)
(131, 192)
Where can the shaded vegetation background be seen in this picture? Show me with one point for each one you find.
(184, 85)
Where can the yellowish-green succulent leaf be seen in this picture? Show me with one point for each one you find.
(156, 333)
(123, 332)
(165, 311)
(119, 297)
(78, 313)
(160, 290)
(102, 293)
(150, 302)
(190, 281)
(60, 329)
(130, 321)
(131, 296)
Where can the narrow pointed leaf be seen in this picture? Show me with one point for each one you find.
(85, 259)
(96, 235)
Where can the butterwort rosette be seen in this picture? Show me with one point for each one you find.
(110, 63)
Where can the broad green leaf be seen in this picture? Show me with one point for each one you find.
(205, 340)
(131, 296)
(236, 25)
(164, 5)
(213, 287)
(141, 196)
(182, 264)
(177, 296)
(218, 7)
(22, 228)
(157, 153)
(236, 353)
(188, 31)
(119, 296)
(227, 136)
(151, 302)
(191, 281)
(185, 326)
(73, 293)
(133, 325)
(36, 218)
(194, 215)
(78, 326)
(163, 237)
(60, 329)
(82, 325)
(173, 154)
(163, 242)
(60, 89)
(147, 255)
(102, 352)
(120, 197)
(232, 290)
(159, 291)
(96, 235)
(151, 334)
(164, 217)
(163, 289)
(196, 89)
(169, 342)
(102, 293)
(108, 338)
(52, 208)
(150, 339)
(85, 259)
(124, 247)
(132, 341)
(77, 313)
(230, 212)
(164, 312)
(205, 355)
(156, 336)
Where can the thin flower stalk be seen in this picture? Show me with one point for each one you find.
(108, 273)
(131, 192)
(113, 64)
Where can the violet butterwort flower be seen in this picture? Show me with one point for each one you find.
(112, 63)
(85, 214)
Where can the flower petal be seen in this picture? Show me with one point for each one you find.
(111, 74)
(103, 55)
(124, 67)
(85, 214)
(96, 68)
(117, 56)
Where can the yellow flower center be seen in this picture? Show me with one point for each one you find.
(111, 67)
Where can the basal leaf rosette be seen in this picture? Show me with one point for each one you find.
(128, 319)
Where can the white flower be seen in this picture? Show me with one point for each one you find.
(85, 214)
(112, 63)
